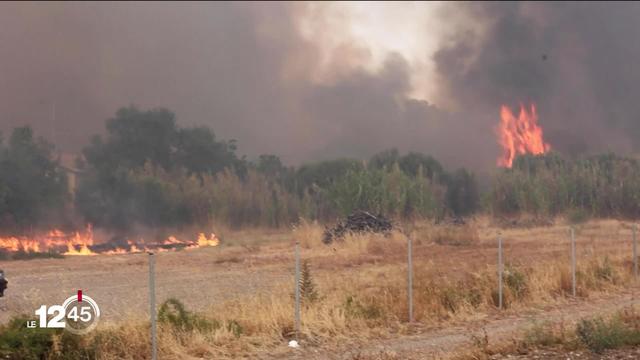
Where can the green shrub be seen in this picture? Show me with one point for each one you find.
(388, 191)
(308, 292)
(235, 328)
(598, 335)
(17, 342)
(72, 347)
(357, 309)
(173, 312)
(516, 281)
(474, 297)
(450, 298)
(542, 334)
(604, 271)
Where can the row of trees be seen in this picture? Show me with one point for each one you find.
(147, 170)
(604, 186)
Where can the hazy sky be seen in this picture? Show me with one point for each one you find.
(313, 81)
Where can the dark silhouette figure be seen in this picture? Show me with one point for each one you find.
(3, 283)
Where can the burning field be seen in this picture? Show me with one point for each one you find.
(84, 243)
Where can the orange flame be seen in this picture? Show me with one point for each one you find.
(519, 135)
(79, 244)
(83, 244)
(212, 240)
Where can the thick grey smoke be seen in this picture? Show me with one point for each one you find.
(577, 61)
(244, 70)
(214, 64)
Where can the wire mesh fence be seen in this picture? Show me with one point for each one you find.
(203, 280)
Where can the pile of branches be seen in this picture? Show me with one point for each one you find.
(358, 222)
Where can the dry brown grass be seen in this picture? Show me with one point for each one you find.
(586, 337)
(308, 233)
(454, 235)
(362, 286)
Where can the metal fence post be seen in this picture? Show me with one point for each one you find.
(152, 306)
(635, 251)
(297, 292)
(410, 276)
(573, 262)
(500, 269)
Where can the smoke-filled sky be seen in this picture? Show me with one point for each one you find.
(309, 81)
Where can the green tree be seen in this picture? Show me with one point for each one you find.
(135, 137)
(321, 175)
(198, 151)
(384, 159)
(128, 175)
(271, 166)
(462, 194)
(32, 185)
(409, 163)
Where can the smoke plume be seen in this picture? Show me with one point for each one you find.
(264, 75)
(575, 60)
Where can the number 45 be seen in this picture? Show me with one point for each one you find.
(85, 314)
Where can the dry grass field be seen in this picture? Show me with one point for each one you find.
(240, 294)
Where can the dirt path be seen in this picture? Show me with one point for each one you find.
(119, 283)
(443, 343)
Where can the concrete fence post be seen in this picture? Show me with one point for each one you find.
(573, 262)
(297, 291)
(635, 251)
(410, 276)
(152, 306)
(500, 270)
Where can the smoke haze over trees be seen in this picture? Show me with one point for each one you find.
(264, 75)
(149, 171)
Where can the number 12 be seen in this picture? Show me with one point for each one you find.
(56, 320)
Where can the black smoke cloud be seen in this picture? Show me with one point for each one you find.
(577, 61)
(244, 70)
(240, 68)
